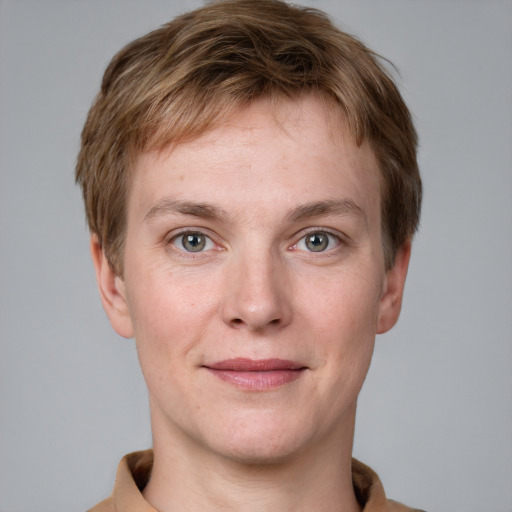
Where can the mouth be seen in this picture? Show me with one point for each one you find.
(256, 374)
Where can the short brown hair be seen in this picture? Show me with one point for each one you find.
(181, 79)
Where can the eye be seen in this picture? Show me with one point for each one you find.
(192, 241)
(317, 241)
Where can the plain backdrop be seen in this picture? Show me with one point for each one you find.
(435, 414)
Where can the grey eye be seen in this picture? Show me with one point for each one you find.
(192, 242)
(317, 242)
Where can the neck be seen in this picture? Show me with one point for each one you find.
(185, 476)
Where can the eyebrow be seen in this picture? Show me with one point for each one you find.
(300, 213)
(329, 207)
(170, 206)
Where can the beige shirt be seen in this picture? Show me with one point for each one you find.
(135, 469)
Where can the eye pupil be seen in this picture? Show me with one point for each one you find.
(193, 242)
(317, 242)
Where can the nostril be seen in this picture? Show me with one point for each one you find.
(239, 322)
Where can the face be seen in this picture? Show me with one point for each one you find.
(254, 281)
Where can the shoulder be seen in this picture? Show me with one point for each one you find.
(394, 506)
(132, 475)
(370, 492)
(105, 506)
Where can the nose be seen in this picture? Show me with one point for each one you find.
(257, 296)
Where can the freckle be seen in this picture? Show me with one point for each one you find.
(182, 177)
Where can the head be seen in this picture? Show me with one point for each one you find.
(183, 79)
(251, 185)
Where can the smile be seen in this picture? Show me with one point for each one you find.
(256, 375)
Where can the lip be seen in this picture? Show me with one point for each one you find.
(256, 374)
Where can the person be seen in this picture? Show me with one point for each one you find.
(251, 187)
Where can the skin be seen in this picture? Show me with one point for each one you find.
(269, 177)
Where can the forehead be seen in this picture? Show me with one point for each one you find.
(314, 117)
(290, 151)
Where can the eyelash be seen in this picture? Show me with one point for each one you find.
(209, 244)
(319, 231)
(179, 238)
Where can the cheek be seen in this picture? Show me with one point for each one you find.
(170, 314)
(342, 302)
(344, 321)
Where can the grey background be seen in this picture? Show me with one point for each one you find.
(435, 415)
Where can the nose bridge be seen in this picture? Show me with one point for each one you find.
(256, 295)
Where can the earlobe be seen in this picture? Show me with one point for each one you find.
(393, 290)
(112, 291)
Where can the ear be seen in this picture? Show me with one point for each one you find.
(393, 290)
(112, 291)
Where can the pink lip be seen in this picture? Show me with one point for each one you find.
(255, 375)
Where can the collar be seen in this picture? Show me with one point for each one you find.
(135, 469)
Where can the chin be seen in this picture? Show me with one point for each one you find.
(263, 453)
(261, 441)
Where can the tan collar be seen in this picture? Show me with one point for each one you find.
(135, 469)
